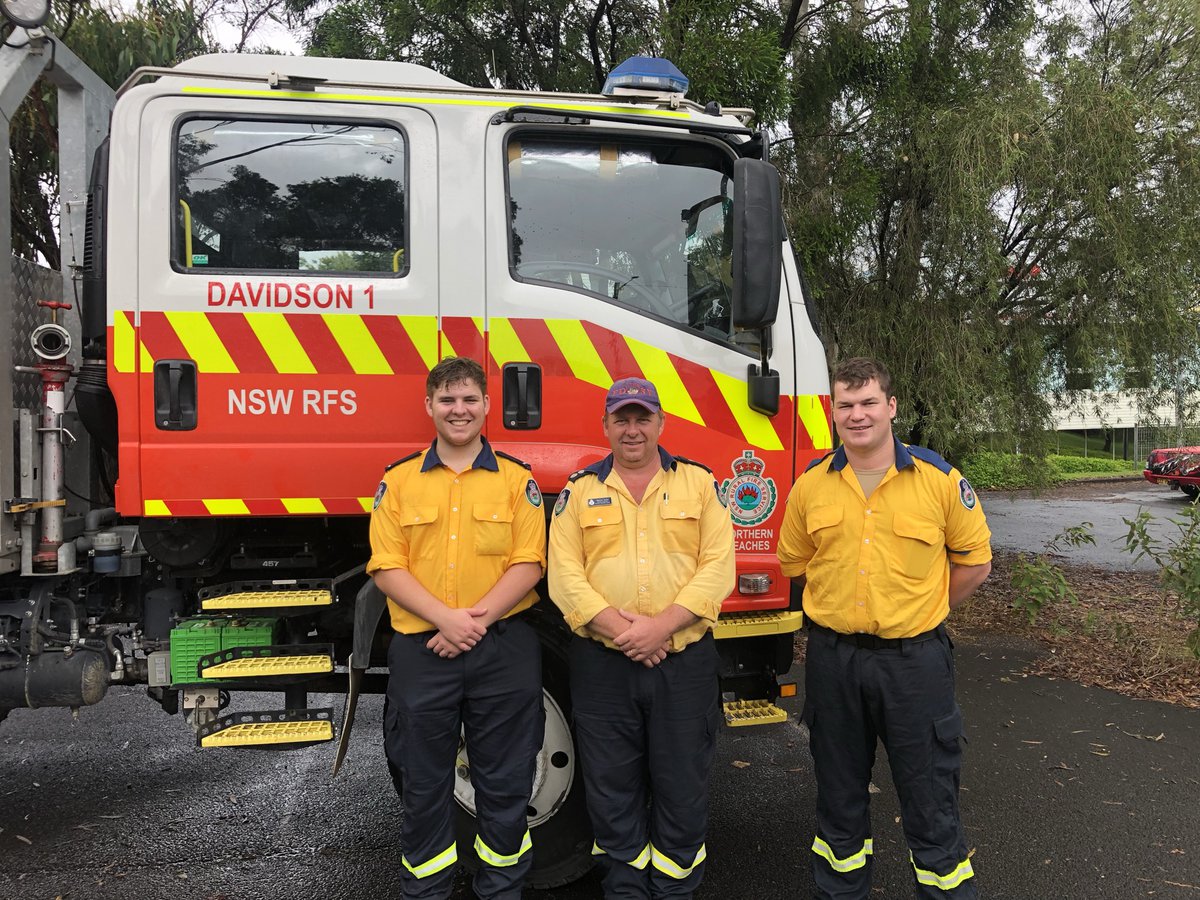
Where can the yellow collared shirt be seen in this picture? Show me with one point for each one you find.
(456, 533)
(881, 565)
(676, 546)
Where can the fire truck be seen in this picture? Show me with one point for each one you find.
(262, 258)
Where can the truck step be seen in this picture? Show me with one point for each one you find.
(739, 713)
(757, 624)
(270, 661)
(267, 600)
(280, 729)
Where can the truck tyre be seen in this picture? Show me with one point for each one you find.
(558, 821)
(1191, 490)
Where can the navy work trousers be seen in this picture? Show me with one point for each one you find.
(904, 697)
(647, 738)
(493, 692)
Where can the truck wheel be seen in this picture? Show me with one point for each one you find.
(558, 821)
(1192, 491)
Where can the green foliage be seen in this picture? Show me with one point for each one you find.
(988, 470)
(1098, 465)
(1178, 559)
(1037, 582)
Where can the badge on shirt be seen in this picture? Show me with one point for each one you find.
(379, 492)
(721, 498)
(966, 495)
(562, 501)
(532, 494)
(599, 501)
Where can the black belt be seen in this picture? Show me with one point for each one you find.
(874, 641)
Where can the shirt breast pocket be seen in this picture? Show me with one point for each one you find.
(602, 531)
(418, 525)
(493, 529)
(821, 522)
(918, 547)
(681, 526)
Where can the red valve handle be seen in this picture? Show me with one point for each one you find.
(54, 304)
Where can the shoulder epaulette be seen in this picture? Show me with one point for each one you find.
(692, 462)
(400, 462)
(575, 476)
(816, 462)
(926, 455)
(511, 458)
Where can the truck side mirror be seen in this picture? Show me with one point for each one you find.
(757, 244)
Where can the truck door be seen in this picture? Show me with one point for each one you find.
(286, 305)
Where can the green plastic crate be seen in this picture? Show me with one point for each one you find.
(191, 640)
(195, 638)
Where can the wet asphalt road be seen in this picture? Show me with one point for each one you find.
(1068, 792)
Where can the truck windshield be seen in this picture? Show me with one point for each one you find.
(644, 224)
(289, 196)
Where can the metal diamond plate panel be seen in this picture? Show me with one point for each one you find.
(31, 283)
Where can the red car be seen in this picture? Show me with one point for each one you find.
(1176, 466)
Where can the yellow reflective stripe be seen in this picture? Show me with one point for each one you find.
(155, 508)
(638, 862)
(812, 415)
(446, 858)
(850, 863)
(356, 342)
(423, 332)
(146, 360)
(122, 350)
(301, 505)
(756, 427)
(434, 101)
(226, 507)
(447, 349)
(949, 882)
(200, 340)
(668, 866)
(577, 349)
(656, 365)
(280, 343)
(367, 503)
(492, 858)
(504, 343)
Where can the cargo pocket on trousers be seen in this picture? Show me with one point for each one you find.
(947, 760)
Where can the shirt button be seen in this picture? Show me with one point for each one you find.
(868, 512)
(452, 565)
(454, 537)
(416, 518)
(495, 517)
(642, 589)
(454, 509)
(641, 560)
(860, 603)
(860, 571)
(599, 520)
(866, 540)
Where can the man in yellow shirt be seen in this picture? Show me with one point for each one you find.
(886, 539)
(458, 542)
(641, 560)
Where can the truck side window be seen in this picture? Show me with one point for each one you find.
(289, 196)
(641, 223)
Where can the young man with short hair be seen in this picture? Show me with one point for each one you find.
(458, 542)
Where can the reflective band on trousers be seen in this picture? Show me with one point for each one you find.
(850, 863)
(949, 882)
(669, 867)
(492, 858)
(447, 857)
(638, 863)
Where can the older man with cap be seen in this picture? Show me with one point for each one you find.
(641, 558)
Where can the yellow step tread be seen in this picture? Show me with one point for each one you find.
(263, 733)
(265, 666)
(739, 713)
(268, 599)
(735, 625)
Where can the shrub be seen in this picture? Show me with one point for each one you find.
(1178, 560)
(1071, 465)
(988, 470)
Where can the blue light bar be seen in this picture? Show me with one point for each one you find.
(647, 73)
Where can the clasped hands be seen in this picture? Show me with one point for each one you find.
(458, 631)
(646, 639)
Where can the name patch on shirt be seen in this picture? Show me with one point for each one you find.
(532, 494)
(966, 495)
(379, 492)
(599, 501)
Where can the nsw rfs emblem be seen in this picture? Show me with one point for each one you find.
(751, 498)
